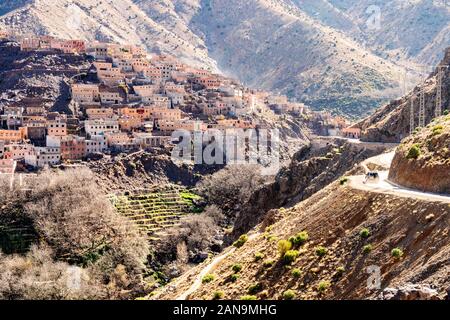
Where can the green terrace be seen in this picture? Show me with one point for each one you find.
(156, 209)
(16, 239)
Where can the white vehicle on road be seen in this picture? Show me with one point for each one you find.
(372, 177)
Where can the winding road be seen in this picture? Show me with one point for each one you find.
(208, 269)
(387, 187)
(383, 185)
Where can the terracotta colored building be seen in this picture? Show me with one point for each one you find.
(73, 148)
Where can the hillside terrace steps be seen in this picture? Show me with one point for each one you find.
(154, 209)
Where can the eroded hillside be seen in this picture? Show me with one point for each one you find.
(348, 231)
(422, 160)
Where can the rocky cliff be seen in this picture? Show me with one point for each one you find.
(310, 170)
(422, 161)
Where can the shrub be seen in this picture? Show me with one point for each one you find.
(208, 278)
(234, 277)
(268, 263)
(263, 294)
(340, 271)
(437, 129)
(249, 298)
(300, 238)
(290, 256)
(414, 152)
(296, 273)
(236, 268)
(343, 181)
(195, 230)
(367, 248)
(397, 253)
(231, 186)
(364, 233)
(323, 286)
(321, 251)
(284, 246)
(259, 256)
(255, 288)
(77, 222)
(218, 295)
(289, 295)
(241, 241)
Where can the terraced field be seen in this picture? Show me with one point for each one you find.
(16, 239)
(156, 209)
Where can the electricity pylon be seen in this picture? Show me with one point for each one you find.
(439, 77)
(411, 115)
(422, 109)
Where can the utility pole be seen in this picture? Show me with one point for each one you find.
(439, 77)
(422, 109)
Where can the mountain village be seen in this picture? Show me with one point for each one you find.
(127, 101)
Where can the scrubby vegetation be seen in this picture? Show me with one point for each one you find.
(283, 247)
(218, 295)
(255, 288)
(367, 248)
(231, 187)
(289, 295)
(296, 273)
(340, 271)
(236, 268)
(208, 278)
(234, 277)
(290, 256)
(268, 263)
(321, 251)
(241, 241)
(299, 239)
(259, 256)
(79, 232)
(323, 286)
(364, 233)
(397, 253)
(413, 152)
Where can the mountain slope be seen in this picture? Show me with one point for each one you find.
(334, 218)
(275, 46)
(391, 123)
(416, 30)
(268, 44)
(120, 21)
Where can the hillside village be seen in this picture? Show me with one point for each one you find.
(115, 206)
(128, 101)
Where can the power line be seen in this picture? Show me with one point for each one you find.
(422, 109)
(440, 76)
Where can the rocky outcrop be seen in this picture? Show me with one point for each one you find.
(391, 123)
(422, 161)
(37, 78)
(410, 292)
(143, 169)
